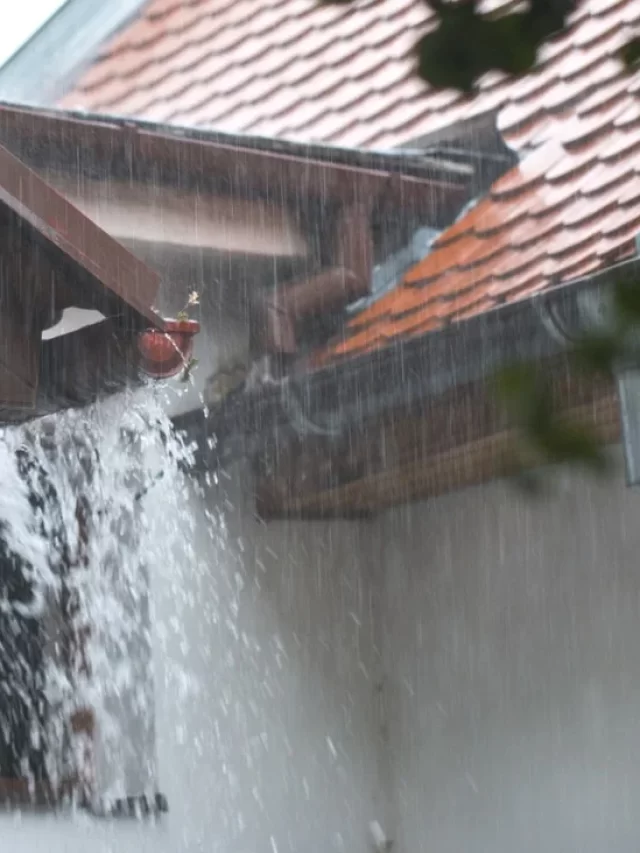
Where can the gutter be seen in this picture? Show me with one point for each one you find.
(334, 400)
(74, 125)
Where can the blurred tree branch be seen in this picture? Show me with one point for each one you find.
(467, 43)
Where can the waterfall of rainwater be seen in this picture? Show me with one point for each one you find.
(75, 644)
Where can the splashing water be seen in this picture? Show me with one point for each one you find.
(76, 639)
(254, 705)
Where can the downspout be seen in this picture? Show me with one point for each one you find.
(328, 291)
(628, 380)
(596, 314)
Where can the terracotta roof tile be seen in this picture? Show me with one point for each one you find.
(220, 46)
(572, 206)
(345, 74)
(179, 60)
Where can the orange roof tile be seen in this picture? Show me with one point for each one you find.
(295, 69)
(571, 206)
(344, 74)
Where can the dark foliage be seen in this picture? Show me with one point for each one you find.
(465, 43)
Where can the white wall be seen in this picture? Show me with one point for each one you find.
(283, 625)
(510, 637)
(512, 651)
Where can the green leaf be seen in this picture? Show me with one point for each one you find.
(626, 296)
(597, 352)
(467, 44)
(630, 53)
(188, 369)
(524, 395)
(545, 18)
(447, 55)
(513, 381)
(513, 49)
(562, 442)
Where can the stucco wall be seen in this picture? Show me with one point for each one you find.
(510, 637)
(512, 652)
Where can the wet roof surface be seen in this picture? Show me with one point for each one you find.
(292, 69)
(345, 76)
(570, 207)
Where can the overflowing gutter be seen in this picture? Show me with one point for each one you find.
(334, 400)
(120, 274)
(54, 259)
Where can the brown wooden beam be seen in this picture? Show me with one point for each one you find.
(326, 292)
(148, 151)
(77, 237)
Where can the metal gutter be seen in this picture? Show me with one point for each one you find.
(474, 140)
(415, 162)
(333, 400)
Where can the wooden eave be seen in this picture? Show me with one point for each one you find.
(104, 270)
(78, 144)
(53, 257)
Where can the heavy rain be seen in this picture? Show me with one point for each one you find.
(320, 426)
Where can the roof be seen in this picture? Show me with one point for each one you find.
(345, 398)
(294, 69)
(106, 275)
(345, 75)
(571, 206)
(435, 182)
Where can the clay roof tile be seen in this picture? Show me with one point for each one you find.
(345, 74)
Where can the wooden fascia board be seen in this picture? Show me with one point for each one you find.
(77, 237)
(74, 140)
(412, 454)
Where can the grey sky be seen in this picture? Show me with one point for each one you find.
(23, 21)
